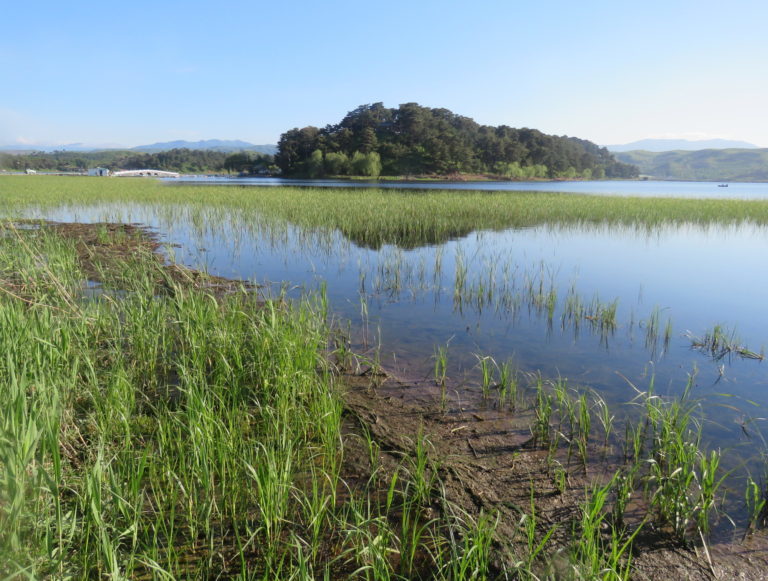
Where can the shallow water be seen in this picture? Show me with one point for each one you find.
(486, 295)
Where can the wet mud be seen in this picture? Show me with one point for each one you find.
(489, 461)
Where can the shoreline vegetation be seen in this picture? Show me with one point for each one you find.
(161, 423)
(454, 177)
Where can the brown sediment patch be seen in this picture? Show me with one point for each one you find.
(104, 248)
(488, 461)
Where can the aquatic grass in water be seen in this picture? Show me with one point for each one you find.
(719, 343)
(377, 217)
(756, 500)
(683, 481)
(508, 386)
(440, 373)
(486, 369)
(543, 409)
(500, 284)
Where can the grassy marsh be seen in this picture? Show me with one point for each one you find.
(374, 218)
(166, 427)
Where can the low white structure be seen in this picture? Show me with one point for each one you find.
(145, 173)
(98, 171)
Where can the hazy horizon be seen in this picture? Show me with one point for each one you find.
(617, 147)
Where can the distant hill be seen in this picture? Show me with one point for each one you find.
(223, 146)
(21, 149)
(708, 165)
(660, 145)
(226, 146)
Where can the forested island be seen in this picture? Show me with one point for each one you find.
(413, 140)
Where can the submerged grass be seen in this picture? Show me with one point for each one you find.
(373, 218)
(325, 218)
(719, 343)
(667, 470)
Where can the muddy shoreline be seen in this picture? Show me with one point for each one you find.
(488, 462)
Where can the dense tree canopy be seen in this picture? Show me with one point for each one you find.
(418, 140)
(180, 160)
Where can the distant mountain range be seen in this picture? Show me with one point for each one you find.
(20, 148)
(212, 144)
(727, 165)
(679, 145)
(226, 146)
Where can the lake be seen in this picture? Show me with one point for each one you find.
(645, 188)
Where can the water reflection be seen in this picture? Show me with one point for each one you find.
(643, 188)
(610, 307)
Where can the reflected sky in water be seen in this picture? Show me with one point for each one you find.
(406, 301)
(643, 188)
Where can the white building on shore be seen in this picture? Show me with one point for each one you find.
(145, 173)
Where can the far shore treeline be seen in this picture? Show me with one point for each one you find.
(370, 141)
(375, 140)
(195, 161)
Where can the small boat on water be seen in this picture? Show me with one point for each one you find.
(722, 185)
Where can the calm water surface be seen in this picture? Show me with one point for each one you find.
(688, 279)
(648, 188)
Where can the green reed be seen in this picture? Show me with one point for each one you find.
(486, 369)
(470, 552)
(508, 386)
(534, 543)
(720, 342)
(542, 425)
(756, 501)
(376, 217)
(594, 553)
(584, 428)
(683, 481)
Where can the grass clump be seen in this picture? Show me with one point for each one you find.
(158, 433)
(720, 343)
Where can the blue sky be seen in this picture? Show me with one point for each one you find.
(132, 73)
